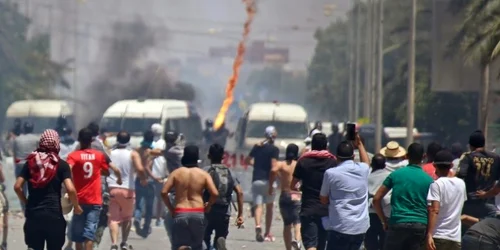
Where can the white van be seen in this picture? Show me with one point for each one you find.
(42, 113)
(136, 116)
(290, 121)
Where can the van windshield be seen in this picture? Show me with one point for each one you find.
(190, 127)
(40, 124)
(131, 125)
(290, 130)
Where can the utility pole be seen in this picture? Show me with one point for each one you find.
(75, 62)
(368, 61)
(358, 60)
(375, 35)
(350, 87)
(380, 91)
(410, 115)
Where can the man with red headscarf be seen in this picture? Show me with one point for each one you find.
(45, 173)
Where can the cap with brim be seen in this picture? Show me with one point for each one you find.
(393, 150)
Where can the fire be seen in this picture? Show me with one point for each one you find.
(238, 61)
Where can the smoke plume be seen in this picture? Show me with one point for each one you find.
(122, 77)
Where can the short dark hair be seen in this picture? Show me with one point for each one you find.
(28, 127)
(345, 151)
(216, 153)
(432, 149)
(476, 139)
(456, 149)
(378, 161)
(319, 142)
(415, 153)
(148, 136)
(85, 137)
(94, 128)
(123, 137)
(443, 160)
(292, 152)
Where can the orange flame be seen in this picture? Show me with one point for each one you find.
(238, 61)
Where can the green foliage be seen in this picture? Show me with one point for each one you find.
(26, 70)
(450, 115)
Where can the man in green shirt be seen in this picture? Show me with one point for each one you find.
(410, 185)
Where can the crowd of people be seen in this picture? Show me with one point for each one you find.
(331, 197)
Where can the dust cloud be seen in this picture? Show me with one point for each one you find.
(126, 75)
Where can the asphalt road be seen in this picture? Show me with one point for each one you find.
(238, 238)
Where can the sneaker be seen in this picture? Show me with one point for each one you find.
(125, 246)
(221, 243)
(114, 247)
(258, 234)
(296, 245)
(137, 226)
(269, 238)
(159, 223)
(3, 246)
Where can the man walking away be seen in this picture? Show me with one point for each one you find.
(122, 195)
(68, 144)
(220, 214)
(309, 170)
(263, 157)
(345, 190)
(456, 151)
(479, 169)
(432, 149)
(45, 173)
(146, 193)
(23, 145)
(375, 236)
(87, 164)
(334, 139)
(189, 181)
(4, 206)
(446, 196)
(408, 222)
(394, 156)
(158, 169)
(289, 200)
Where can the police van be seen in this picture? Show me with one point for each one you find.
(290, 121)
(137, 115)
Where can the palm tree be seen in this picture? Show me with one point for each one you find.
(478, 37)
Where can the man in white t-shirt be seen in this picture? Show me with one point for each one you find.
(446, 199)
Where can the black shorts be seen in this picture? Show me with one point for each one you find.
(312, 231)
(188, 229)
(289, 209)
(37, 233)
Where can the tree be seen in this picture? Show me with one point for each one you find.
(478, 37)
(449, 115)
(26, 70)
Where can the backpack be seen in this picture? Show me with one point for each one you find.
(224, 182)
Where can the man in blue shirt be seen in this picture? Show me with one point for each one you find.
(345, 189)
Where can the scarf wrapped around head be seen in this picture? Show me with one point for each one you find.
(44, 161)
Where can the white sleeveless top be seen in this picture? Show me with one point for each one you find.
(122, 159)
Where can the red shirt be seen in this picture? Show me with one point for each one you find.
(430, 170)
(86, 168)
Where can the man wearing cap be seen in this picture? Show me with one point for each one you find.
(263, 157)
(188, 214)
(479, 169)
(394, 155)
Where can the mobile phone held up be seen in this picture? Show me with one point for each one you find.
(350, 131)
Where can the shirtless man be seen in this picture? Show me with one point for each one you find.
(289, 200)
(189, 182)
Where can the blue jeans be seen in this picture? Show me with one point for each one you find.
(146, 193)
(84, 226)
(340, 241)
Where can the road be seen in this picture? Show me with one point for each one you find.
(238, 238)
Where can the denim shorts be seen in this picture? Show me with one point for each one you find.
(84, 226)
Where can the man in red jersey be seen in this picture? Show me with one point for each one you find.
(87, 164)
